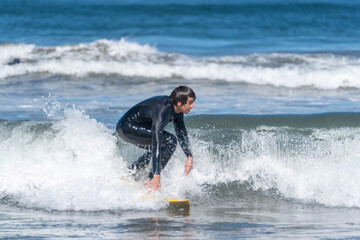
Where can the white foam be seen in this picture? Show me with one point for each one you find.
(129, 59)
(322, 168)
(73, 163)
(69, 164)
(10, 51)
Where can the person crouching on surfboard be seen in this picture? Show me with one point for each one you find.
(144, 124)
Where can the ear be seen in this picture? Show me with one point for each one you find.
(179, 104)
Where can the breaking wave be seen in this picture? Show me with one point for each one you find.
(125, 59)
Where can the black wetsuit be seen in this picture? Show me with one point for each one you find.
(144, 124)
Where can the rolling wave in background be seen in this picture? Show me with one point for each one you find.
(130, 60)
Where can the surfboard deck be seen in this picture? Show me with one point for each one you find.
(179, 203)
(178, 207)
(174, 203)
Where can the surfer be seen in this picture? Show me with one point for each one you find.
(144, 124)
(14, 62)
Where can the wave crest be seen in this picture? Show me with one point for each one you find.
(126, 59)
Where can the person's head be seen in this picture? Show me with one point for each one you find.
(182, 98)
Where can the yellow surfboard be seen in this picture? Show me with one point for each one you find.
(178, 207)
(172, 202)
(179, 203)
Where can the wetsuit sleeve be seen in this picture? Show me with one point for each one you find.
(157, 129)
(182, 135)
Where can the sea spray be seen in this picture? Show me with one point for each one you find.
(305, 165)
(72, 163)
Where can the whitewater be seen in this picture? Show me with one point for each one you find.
(131, 60)
(71, 161)
(274, 130)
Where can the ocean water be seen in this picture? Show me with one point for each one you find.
(275, 129)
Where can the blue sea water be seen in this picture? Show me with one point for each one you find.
(191, 27)
(274, 131)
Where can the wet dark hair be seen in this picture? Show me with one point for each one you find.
(180, 94)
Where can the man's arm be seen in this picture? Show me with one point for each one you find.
(182, 135)
(183, 139)
(157, 129)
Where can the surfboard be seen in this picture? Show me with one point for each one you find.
(178, 207)
(179, 203)
(173, 203)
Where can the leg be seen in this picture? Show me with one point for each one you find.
(142, 162)
(142, 137)
(139, 136)
(168, 147)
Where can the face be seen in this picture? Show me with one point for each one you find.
(185, 108)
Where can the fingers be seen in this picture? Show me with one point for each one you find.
(155, 187)
(188, 166)
(147, 183)
(154, 184)
(187, 170)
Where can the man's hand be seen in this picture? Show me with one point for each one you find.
(154, 183)
(188, 166)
